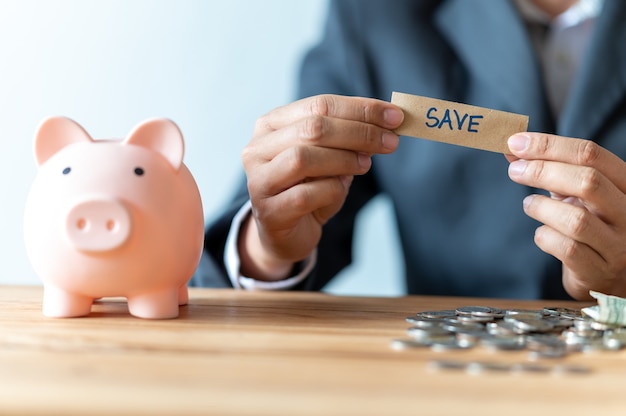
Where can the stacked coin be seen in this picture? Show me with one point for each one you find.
(551, 332)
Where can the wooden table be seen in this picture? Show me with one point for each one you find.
(262, 353)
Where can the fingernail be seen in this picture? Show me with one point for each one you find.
(393, 117)
(390, 141)
(518, 142)
(527, 201)
(364, 160)
(346, 180)
(517, 167)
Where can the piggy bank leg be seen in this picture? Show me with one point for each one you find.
(156, 305)
(183, 295)
(58, 303)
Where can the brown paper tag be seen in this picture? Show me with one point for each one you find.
(460, 124)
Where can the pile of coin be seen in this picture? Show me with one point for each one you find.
(551, 332)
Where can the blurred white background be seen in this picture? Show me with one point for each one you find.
(211, 66)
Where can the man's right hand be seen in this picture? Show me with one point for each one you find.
(300, 163)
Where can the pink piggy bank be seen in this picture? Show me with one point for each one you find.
(113, 218)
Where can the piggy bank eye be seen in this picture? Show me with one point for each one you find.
(67, 170)
(139, 171)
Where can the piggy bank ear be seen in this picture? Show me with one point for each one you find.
(53, 134)
(162, 136)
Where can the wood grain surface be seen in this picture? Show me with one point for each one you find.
(264, 353)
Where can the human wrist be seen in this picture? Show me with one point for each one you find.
(255, 261)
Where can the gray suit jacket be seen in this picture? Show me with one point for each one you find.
(459, 216)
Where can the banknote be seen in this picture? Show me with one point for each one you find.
(609, 310)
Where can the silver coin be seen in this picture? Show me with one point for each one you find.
(501, 328)
(424, 322)
(572, 314)
(449, 345)
(478, 367)
(459, 326)
(405, 344)
(551, 311)
(470, 337)
(617, 336)
(497, 313)
(531, 324)
(588, 333)
(594, 346)
(547, 353)
(583, 325)
(560, 311)
(428, 335)
(475, 310)
(559, 322)
(436, 314)
(474, 318)
(524, 312)
(573, 341)
(538, 341)
(600, 326)
(612, 344)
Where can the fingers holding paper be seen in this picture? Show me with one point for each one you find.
(584, 219)
(299, 165)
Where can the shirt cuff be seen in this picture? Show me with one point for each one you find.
(232, 261)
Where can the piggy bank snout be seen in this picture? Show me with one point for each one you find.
(97, 224)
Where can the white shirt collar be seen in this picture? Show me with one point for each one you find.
(581, 10)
